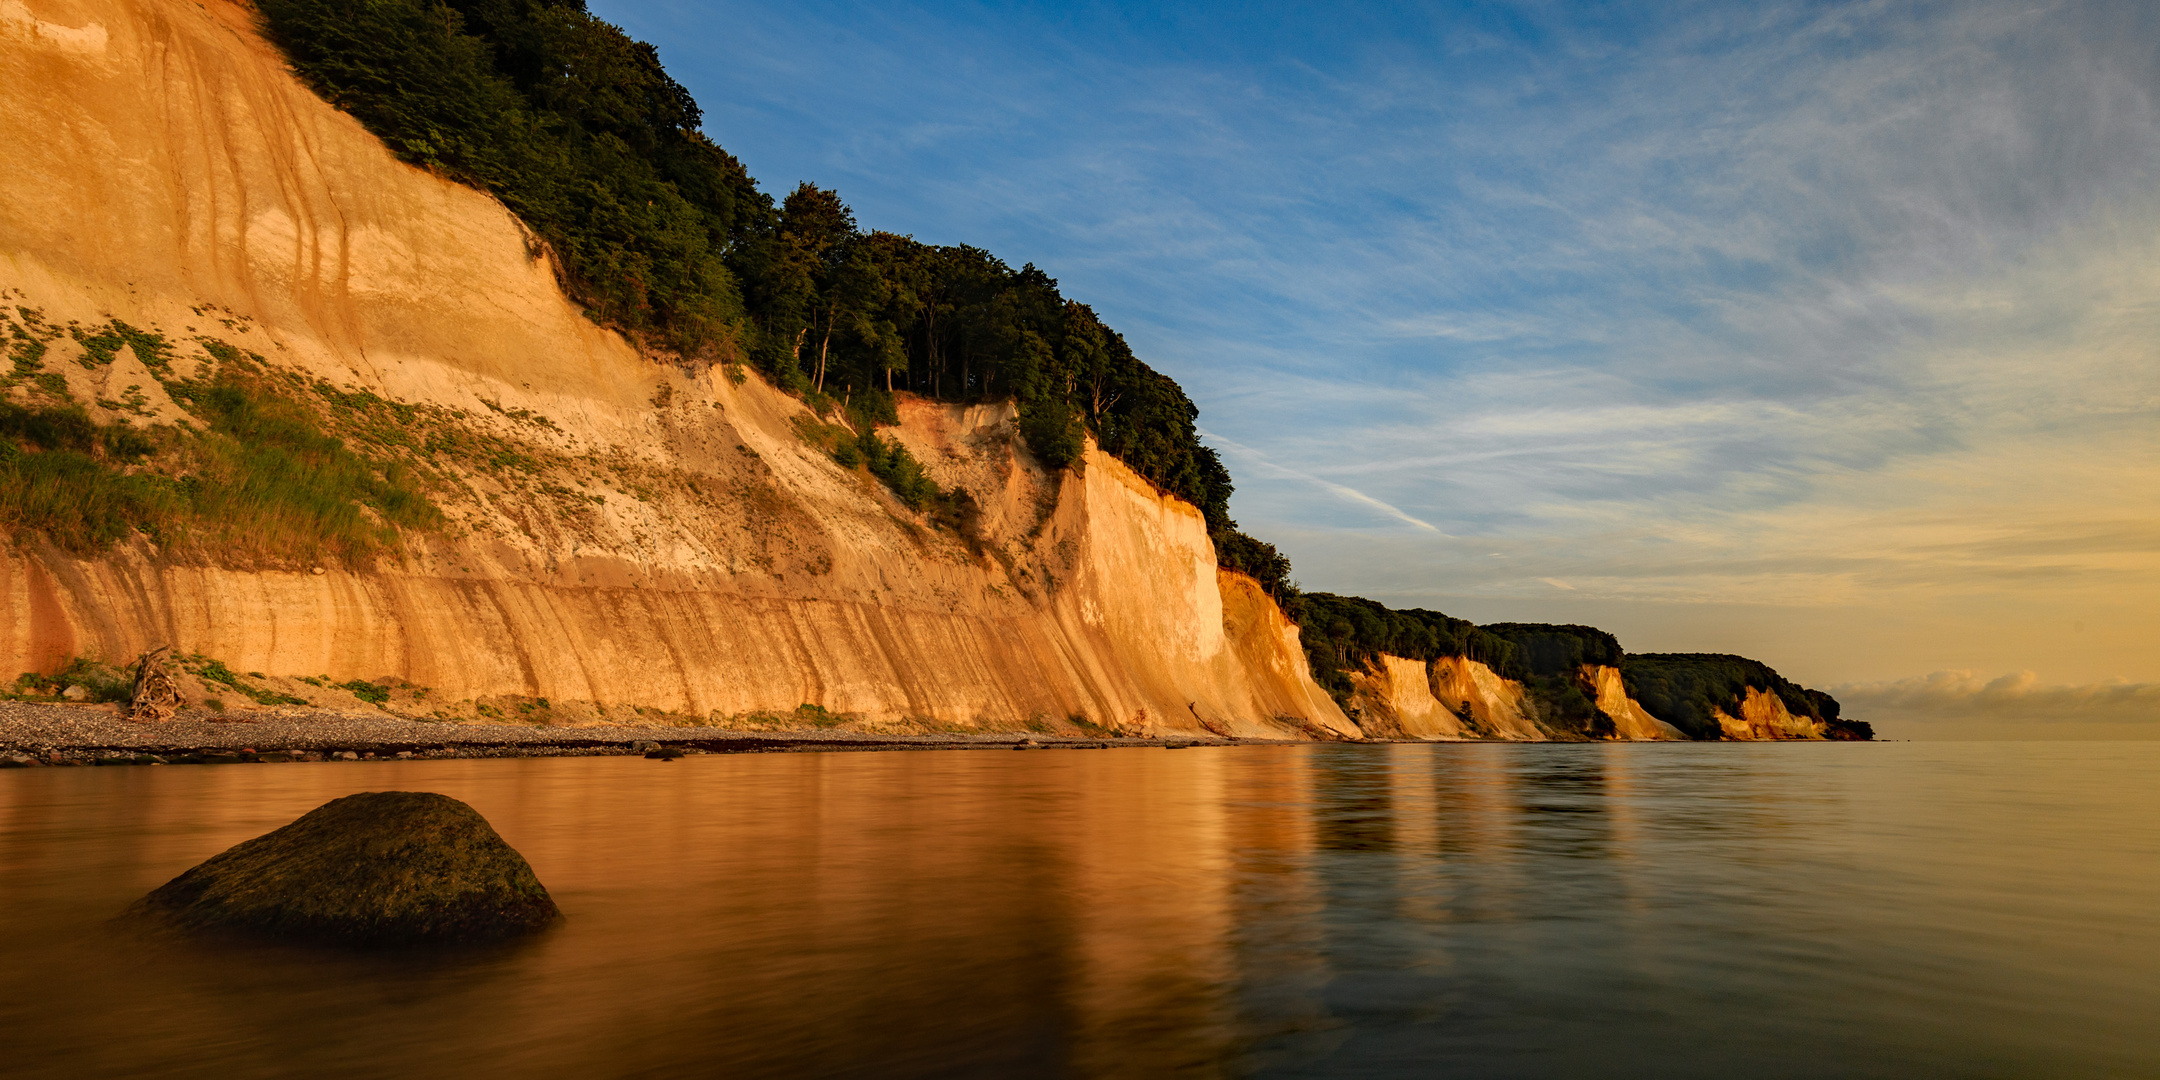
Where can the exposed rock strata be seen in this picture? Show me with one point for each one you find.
(1394, 699)
(1496, 708)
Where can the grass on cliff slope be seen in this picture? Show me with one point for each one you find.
(272, 486)
(67, 477)
(252, 480)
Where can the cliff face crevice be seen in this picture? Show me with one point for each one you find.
(620, 531)
(1497, 708)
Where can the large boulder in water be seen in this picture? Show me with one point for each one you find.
(380, 868)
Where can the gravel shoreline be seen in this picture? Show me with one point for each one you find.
(38, 734)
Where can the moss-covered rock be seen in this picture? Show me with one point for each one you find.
(379, 868)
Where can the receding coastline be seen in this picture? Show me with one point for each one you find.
(35, 734)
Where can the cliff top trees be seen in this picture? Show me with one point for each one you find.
(1686, 689)
(660, 233)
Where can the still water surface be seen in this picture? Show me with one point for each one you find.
(1967, 910)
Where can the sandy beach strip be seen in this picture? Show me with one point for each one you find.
(34, 733)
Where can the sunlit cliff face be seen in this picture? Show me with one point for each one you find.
(669, 536)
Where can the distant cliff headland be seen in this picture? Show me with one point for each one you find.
(430, 357)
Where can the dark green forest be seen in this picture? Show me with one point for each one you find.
(663, 235)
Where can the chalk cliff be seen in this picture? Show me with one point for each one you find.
(1630, 720)
(1394, 699)
(1763, 715)
(1497, 707)
(1455, 697)
(632, 532)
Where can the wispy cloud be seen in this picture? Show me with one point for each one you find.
(1344, 491)
(1717, 308)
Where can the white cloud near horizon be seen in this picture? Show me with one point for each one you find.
(1962, 701)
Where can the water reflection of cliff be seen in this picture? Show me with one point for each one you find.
(1075, 911)
(926, 912)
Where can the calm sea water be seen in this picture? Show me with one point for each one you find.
(1900, 910)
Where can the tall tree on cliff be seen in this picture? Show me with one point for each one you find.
(818, 234)
(880, 297)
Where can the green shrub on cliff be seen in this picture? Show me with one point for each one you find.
(892, 463)
(886, 459)
(99, 680)
(1051, 431)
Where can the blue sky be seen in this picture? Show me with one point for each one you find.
(1828, 333)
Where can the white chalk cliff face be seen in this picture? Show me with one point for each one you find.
(1394, 699)
(1497, 707)
(664, 539)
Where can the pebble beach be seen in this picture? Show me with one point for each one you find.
(35, 734)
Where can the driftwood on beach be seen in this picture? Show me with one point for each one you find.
(155, 697)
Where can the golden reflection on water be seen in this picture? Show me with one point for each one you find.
(1511, 910)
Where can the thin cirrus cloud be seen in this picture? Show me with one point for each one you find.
(1844, 311)
(1344, 491)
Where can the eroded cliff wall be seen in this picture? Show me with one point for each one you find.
(636, 534)
(1630, 720)
(1394, 699)
(1497, 707)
